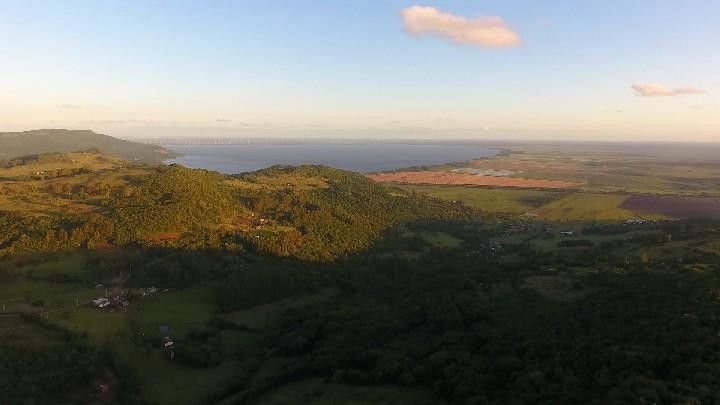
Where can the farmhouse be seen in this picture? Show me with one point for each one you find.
(149, 291)
(101, 302)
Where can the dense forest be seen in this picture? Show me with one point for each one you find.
(462, 326)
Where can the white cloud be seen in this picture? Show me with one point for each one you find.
(481, 31)
(658, 90)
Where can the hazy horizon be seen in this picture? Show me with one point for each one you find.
(508, 70)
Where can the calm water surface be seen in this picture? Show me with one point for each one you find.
(362, 158)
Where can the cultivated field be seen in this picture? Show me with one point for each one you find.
(686, 170)
(429, 177)
(506, 200)
(675, 207)
(589, 207)
(543, 205)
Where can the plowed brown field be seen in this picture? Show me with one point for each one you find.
(466, 179)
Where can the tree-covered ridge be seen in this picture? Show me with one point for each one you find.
(347, 213)
(17, 144)
(309, 212)
(170, 199)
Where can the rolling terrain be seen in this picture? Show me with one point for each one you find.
(166, 285)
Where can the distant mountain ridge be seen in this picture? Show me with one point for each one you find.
(17, 144)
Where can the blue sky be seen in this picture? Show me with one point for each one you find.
(357, 69)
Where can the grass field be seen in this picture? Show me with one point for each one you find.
(588, 207)
(600, 169)
(64, 264)
(259, 317)
(167, 382)
(52, 294)
(24, 190)
(440, 239)
(508, 200)
(180, 310)
(546, 205)
(18, 328)
(99, 325)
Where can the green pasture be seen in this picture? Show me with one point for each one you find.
(587, 207)
(555, 206)
(69, 264)
(99, 325)
(180, 310)
(506, 200)
(52, 294)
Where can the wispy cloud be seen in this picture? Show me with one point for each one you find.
(482, 31)
(658, 90)
(70, 106)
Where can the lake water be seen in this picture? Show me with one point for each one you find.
(363, 158)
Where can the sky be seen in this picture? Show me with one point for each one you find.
(610, 70)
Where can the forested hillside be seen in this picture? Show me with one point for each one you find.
(17, 144)
(313, 213)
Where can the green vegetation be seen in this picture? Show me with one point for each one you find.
(40, 363)
(690, 170)
(506, 200)
(589, 207)
(330, 214)
(315, 285)
(543, 205)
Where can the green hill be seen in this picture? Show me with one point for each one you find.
(16, 144)
(88, 199)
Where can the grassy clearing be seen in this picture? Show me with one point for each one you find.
(67, 264)
(180, 310)
(261, 316)
(507, 200)
(440, 239)
(99, 325)
(315, 391)
(20, 329)
(547, 205)
(173, 383)
(588, 207)
(281, 181)
(52, 162)
(168, 382)
(52, 294)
